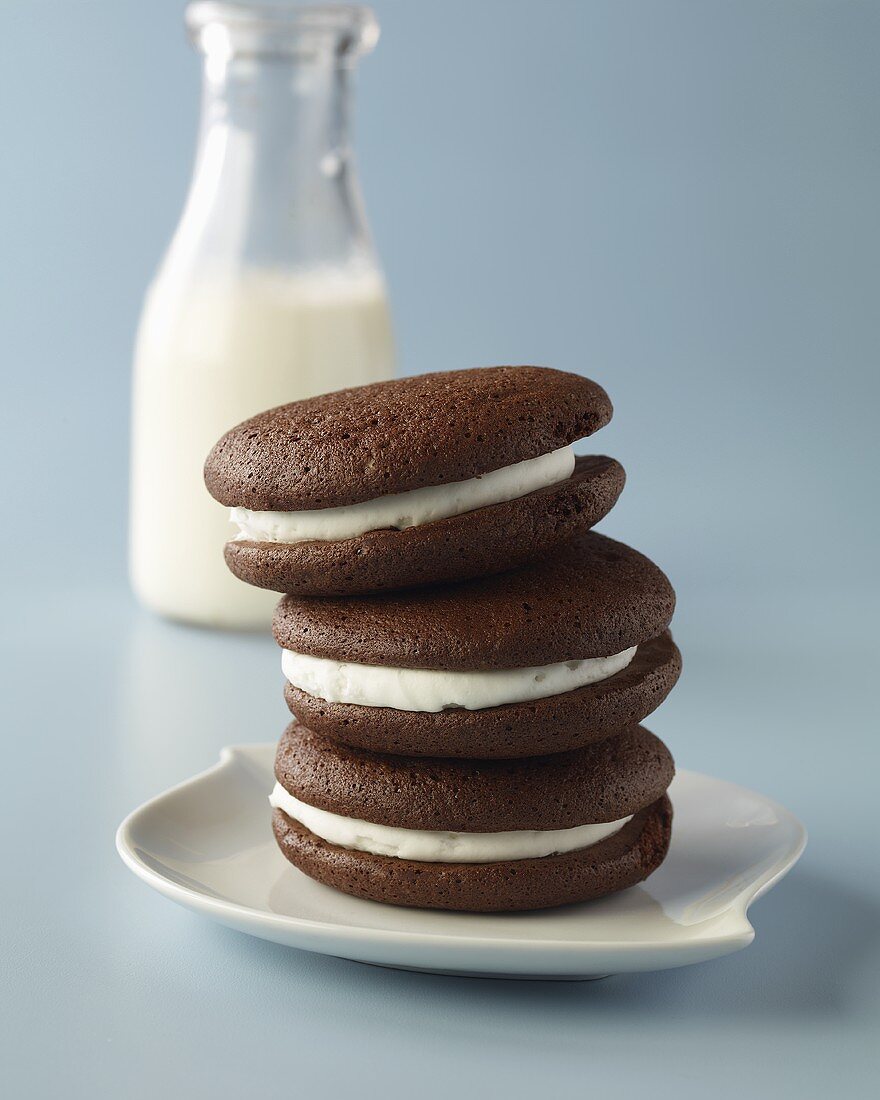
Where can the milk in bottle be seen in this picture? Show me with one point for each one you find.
(270, 291)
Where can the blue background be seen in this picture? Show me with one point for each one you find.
(678, 199)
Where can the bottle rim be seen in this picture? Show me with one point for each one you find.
(238, 27)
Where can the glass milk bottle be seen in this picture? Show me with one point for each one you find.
(270, 290)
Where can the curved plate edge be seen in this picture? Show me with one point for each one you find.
(405, 950)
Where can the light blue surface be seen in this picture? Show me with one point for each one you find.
(677, 198)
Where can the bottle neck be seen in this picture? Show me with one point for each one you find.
(290, 114)
(274, 182)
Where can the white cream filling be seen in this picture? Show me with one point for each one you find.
(433, 690)
(428, 846)
(410, 509)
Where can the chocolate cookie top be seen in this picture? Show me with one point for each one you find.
(603, 782)
(390, 437)
(591, 598)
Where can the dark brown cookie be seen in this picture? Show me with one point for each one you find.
(555, 724)
(593, 597)
(358, 444)
(604, 782)
(621, 860)
(473, 544)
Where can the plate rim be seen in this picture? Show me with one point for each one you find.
(728, 941)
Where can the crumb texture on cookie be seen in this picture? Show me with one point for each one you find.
(603, 782)
(591, 598)
(389, 437)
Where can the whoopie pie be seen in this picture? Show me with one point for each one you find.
(481, 836)
(556, 655)
(416, 481)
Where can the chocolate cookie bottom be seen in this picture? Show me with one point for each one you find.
(619, 861)
(486, 540)
(557, 723)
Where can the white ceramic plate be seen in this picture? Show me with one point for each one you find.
(207, 844)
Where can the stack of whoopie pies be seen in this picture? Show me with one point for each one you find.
(467, 661)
